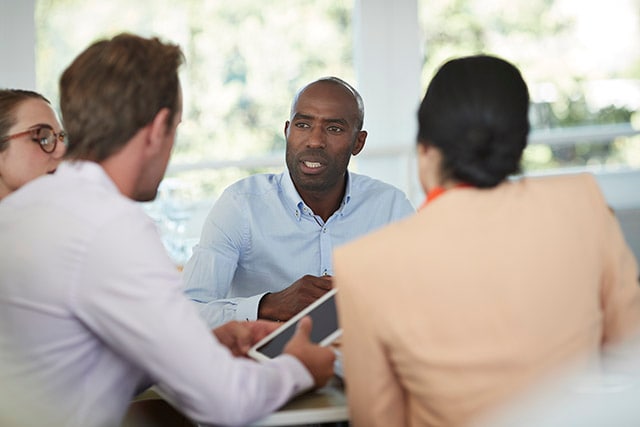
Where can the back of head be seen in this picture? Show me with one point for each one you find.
(113, 89)
(475, 112)
(9, 101)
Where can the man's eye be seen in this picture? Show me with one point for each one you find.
(335, 129)
(302, 125)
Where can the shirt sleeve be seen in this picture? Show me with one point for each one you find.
(390, 203)
(130, 296)
(208, 274)
(401, 207)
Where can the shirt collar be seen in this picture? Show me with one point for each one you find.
(294, 200)
(86, 171)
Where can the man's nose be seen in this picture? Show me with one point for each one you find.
(317, 138)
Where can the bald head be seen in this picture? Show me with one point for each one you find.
(355, 96)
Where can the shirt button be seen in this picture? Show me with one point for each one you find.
(324, 229)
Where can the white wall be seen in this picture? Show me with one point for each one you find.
(388, 65)
(17, 44)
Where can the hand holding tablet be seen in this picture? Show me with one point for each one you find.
(324, 331)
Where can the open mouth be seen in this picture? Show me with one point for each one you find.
(312, 165)
(51, 171)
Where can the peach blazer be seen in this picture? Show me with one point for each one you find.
(450, 312)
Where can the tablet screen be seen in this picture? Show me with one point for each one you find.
(325, 326)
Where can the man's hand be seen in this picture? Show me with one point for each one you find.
(285, 304)
(318, 360)
(240, 336)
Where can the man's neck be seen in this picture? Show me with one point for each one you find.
(324, 203)
(126, 165)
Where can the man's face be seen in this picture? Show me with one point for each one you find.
(157, 166)
(321, 135)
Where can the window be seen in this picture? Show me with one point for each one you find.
(245, 60)
(581, 61)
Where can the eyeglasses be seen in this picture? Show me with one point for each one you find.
(43, 135)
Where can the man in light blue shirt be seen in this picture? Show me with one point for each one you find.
(266, 246)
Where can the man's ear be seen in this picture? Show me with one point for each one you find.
(360, 140)
(159, 127)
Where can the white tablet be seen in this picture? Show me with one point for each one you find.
(325, 328)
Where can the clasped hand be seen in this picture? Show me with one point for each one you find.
(285, 304)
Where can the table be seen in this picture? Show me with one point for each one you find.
(325, 405)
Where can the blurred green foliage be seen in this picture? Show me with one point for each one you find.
(537, 35)
(247, 58)
(245, 61)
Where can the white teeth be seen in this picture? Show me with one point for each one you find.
(312, 164)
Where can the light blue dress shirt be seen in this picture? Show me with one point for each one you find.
(261, 237)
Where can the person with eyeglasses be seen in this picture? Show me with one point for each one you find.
(32, 141)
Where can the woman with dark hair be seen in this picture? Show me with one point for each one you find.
(475, 113)
(494, 283)
(32, 141)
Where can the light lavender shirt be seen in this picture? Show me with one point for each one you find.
(91, 308)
